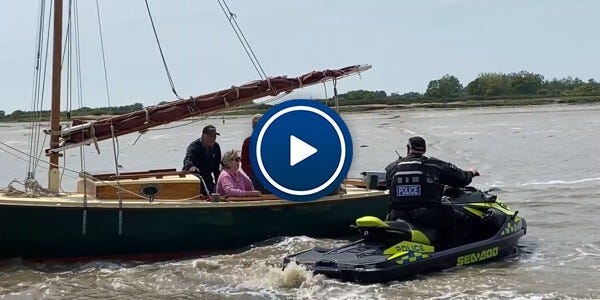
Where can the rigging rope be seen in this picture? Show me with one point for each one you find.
(78, 73)
(39, 84)
(32, 187)
(231, 17)
(39, 146)
(66, 59)
(335, 96)
(85, 175)
(103, 57)
(78, 56)
(116, 156)
(39, 45)
(70, 47)
(80, 105)
(115, 146)
(181, 125)
(161, 52)
(325, 88)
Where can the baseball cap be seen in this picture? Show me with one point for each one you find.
(210, 129)
(417, 143)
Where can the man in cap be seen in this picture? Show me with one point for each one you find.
(416, 186)
(246, 166)
(203, 157)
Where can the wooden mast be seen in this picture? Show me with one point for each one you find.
(53, 172)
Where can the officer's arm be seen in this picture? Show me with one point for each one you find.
(451, 174)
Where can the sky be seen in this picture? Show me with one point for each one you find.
(408, 43)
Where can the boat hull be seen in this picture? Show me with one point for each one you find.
(63, 228)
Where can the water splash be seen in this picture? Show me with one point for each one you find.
(292, 276)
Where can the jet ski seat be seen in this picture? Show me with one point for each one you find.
(418, 234)
(374, 229)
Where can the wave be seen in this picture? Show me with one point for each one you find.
(554, 182)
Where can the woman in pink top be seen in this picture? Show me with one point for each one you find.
(231, 181)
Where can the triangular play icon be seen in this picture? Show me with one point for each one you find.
(299, 150)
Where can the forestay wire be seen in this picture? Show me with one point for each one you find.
(162, 55)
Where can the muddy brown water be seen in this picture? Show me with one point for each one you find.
(545, 159)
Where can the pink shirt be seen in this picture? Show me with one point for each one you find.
(233, 184)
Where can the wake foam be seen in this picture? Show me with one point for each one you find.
(292, 276)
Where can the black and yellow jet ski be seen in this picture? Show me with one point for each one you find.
(394, 250)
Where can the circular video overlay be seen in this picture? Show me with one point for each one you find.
(301, 150)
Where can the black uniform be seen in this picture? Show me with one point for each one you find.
(415, 184)
(207, 160)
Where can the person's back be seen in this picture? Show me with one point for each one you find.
(416, 184)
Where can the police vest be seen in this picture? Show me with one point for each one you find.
(414, 185)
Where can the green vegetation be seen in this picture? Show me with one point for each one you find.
(445, 87)
(528, 87)
(19, 115)
(488, 89)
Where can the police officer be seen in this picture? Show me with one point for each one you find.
(416, 186)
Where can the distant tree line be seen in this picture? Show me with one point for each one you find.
(486, 86)
(19, 115)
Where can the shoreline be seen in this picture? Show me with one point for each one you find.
(458, 104)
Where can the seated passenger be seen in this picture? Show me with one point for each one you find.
(231, 181)
(246, 166)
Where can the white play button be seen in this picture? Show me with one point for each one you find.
(299, 150)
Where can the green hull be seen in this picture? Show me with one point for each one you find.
(36, 231)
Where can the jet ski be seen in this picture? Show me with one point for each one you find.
(395, 250)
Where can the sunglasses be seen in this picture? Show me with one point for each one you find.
(237, 159)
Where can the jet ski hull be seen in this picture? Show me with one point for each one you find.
(371, 261)
(493, 248)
